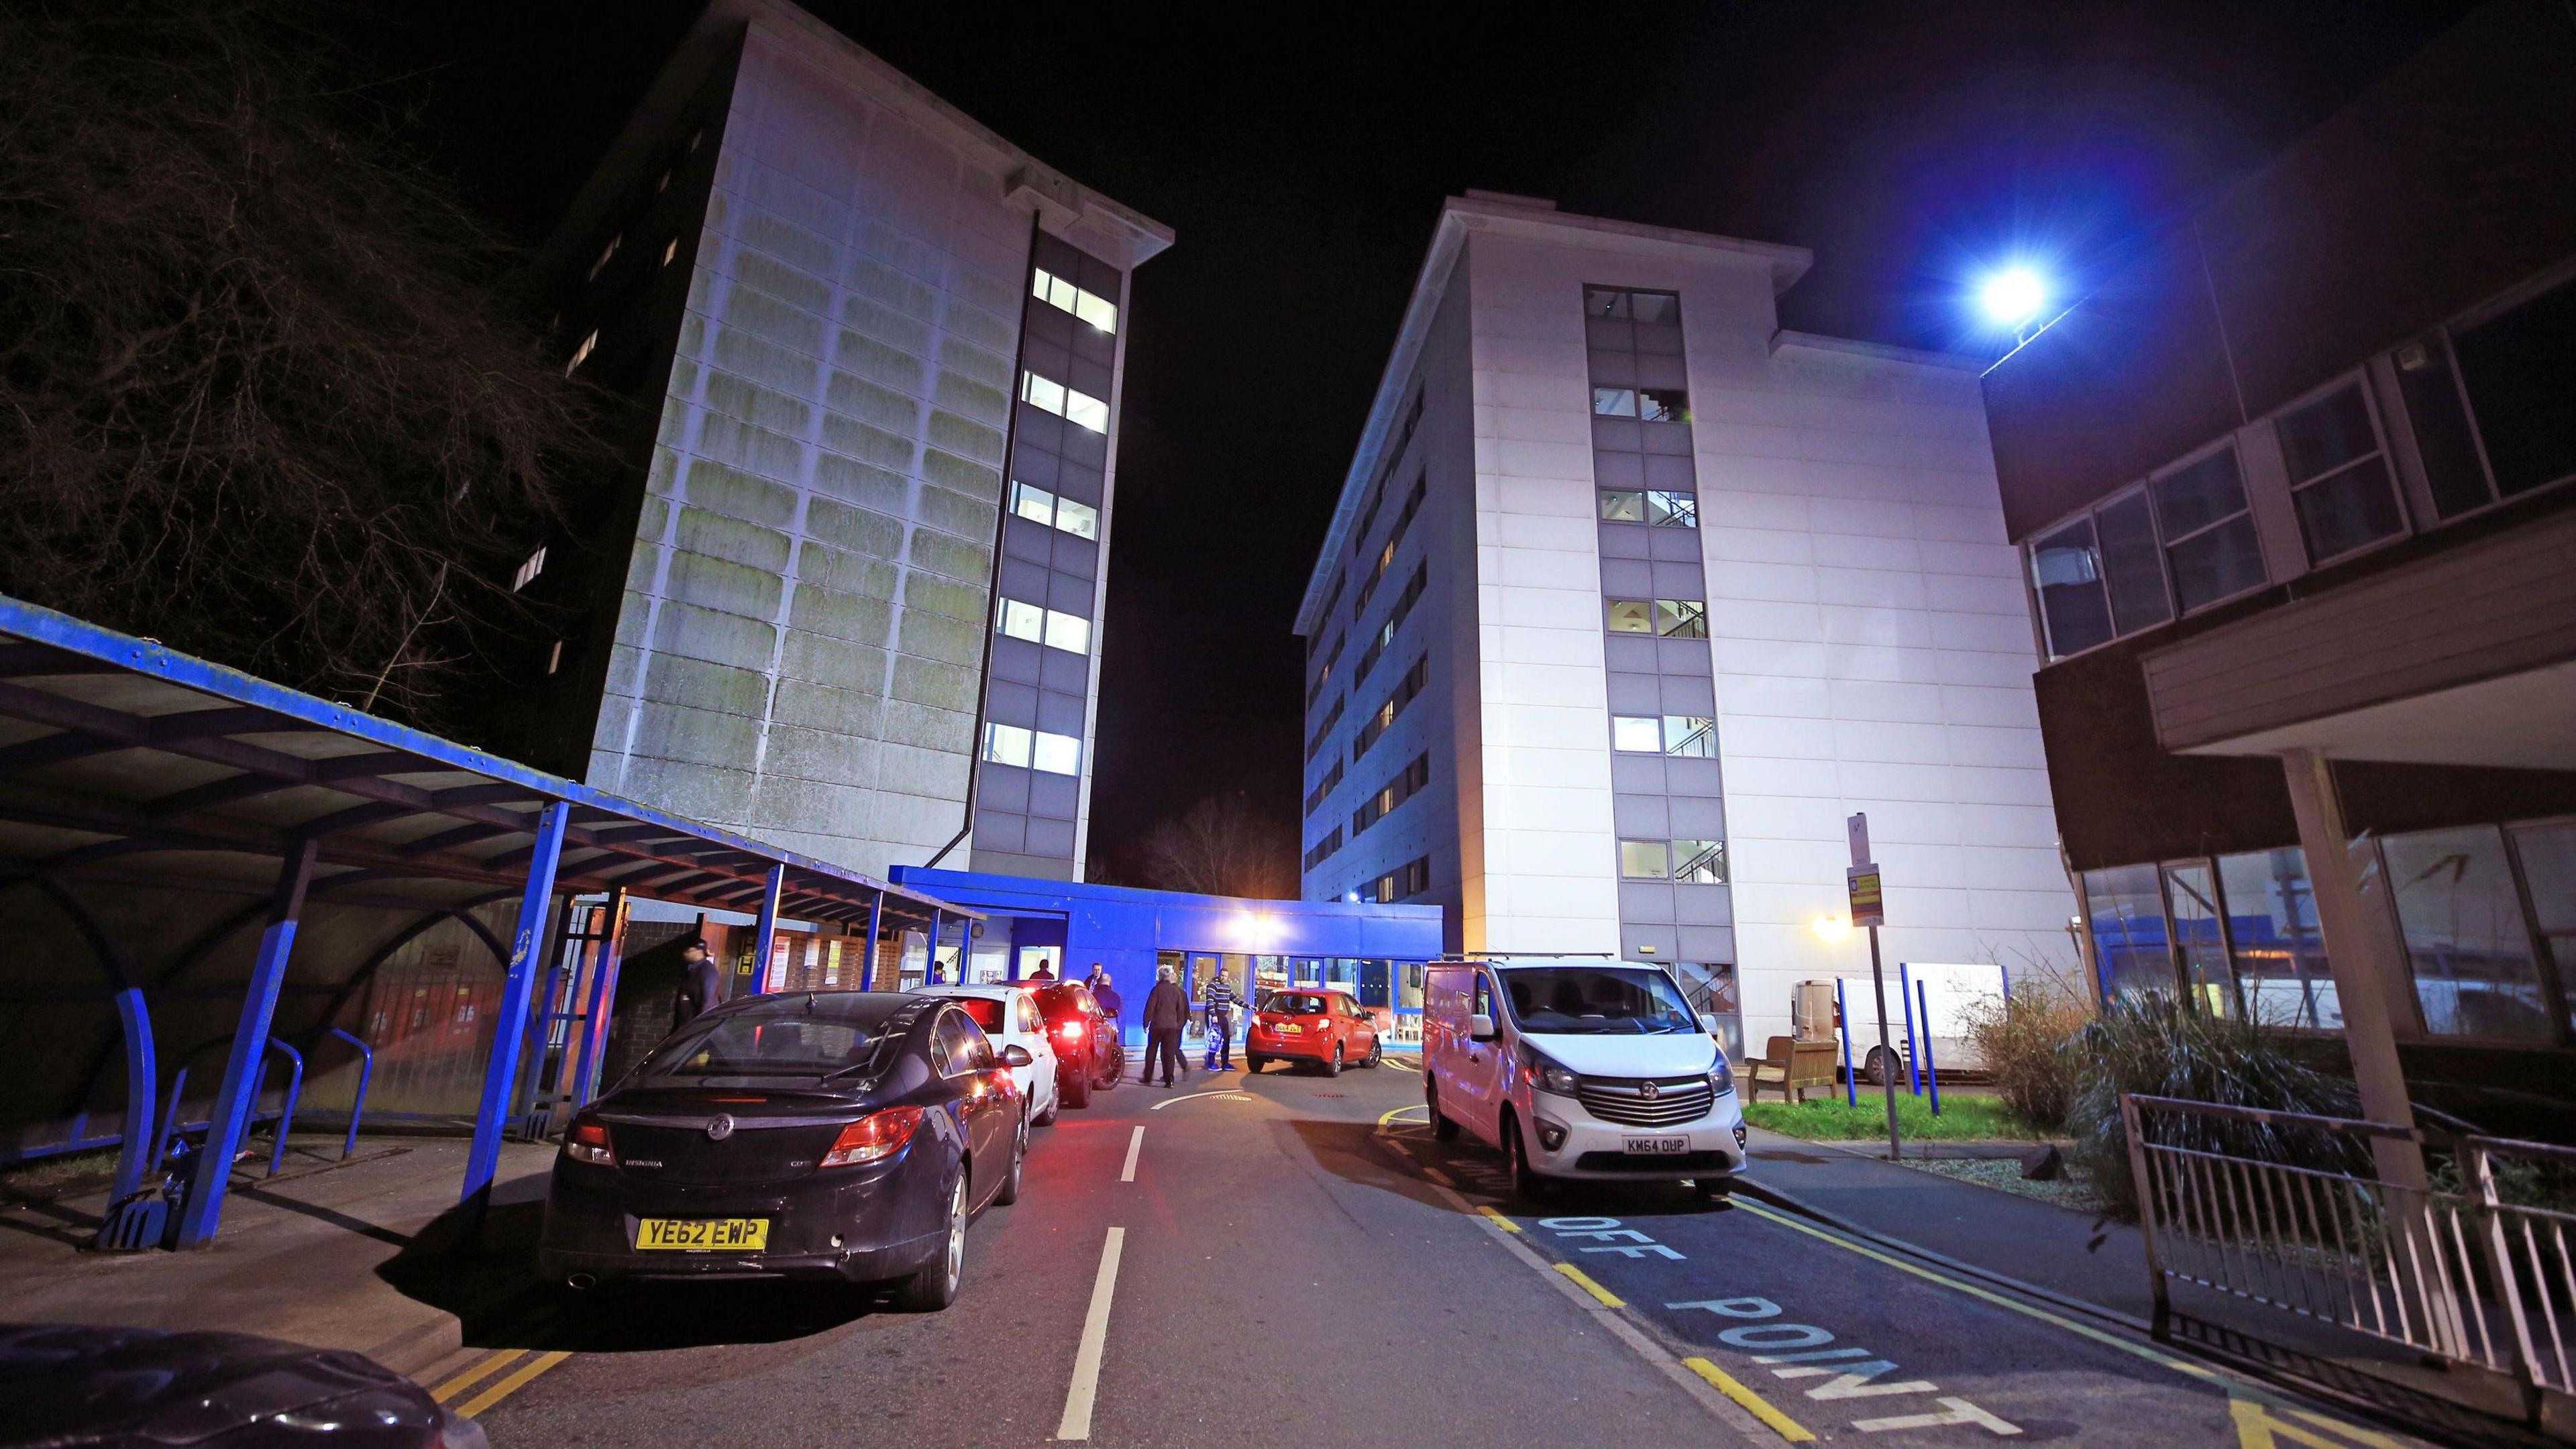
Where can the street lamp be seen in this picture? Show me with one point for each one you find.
(2013, 297)
(1831, 929)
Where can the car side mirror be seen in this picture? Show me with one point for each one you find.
(1480, 1027)
(1016, 1055)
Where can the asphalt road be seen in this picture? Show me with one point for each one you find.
(1293, 1260)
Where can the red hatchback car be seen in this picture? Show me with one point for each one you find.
(1323, 1026)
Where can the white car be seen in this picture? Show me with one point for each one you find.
(1009, 1015)
(1579, 1069)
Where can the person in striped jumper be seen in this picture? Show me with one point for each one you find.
(1220, 1001)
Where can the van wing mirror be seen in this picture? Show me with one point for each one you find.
(1480, 1027)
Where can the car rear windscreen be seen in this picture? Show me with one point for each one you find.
(1297, 1003)
(765, 1044)
(1597, 1001)
(986, 1011)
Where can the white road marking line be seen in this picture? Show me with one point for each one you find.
(1135, 1144)
(1076, 1423)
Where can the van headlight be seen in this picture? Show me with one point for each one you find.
(1546, 1073)
(1721, 1077)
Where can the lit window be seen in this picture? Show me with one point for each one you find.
(1640, 733)
(1681, 618)
(1660, 404)
(581, 354)
(1699, 862)
(1079, 519)
(1100, 312)
(1632, 616)
(528, 571)
(670, 249)
(1055, 754)
(1068, 631)
(1614, 402)
(1085, 411)
(1646, 859)
(1672, 510)
(1623, 505)
(1023, 621)
(1034, 504)
(605, 255)
(1691, 735)
(1045, 393)
(2338, 475)
(1006, 744)
(1061, 293)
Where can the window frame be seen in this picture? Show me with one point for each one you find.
(2358, 379)
(2165, 545)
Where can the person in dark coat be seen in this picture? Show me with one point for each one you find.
(700, 985)
(1167, 1010)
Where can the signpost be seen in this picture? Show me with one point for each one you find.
(1869, 908)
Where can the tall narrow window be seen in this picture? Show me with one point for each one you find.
(2208, 530)
(2339, 479)
(2128, 919)
(2131, 564)
(2066, 572)
(2200, 942)
(2453, 471)
(2466, 938)
(2279, 949)
(2516, 365)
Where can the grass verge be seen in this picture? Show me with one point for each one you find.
(1962, 1119)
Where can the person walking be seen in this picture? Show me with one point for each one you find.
(700, 986)
(1220, 1001)
(1167, 1010)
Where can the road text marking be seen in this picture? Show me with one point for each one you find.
(1135, 1144)
(1076, 1423)
(1753, 1403)
(1584, 1281)
(1197, 1096)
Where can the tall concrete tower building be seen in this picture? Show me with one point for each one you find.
(851, 603)
(1632, 596)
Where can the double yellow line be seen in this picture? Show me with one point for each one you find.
(492, 1363)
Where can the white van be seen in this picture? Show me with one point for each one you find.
(1579, 1069)
(1955, 994)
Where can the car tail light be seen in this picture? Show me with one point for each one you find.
(1071, 1030)
(874, 1137)
(587, 1141)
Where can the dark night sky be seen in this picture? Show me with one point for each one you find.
(1302, 166)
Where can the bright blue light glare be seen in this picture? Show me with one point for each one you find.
(2014, 295)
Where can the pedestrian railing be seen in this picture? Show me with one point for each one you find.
(2287, 1210)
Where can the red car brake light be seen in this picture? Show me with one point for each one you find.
(873, 1138)
(587, 1141)
(1070, 1030)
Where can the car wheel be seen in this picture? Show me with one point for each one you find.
(1333, 1068)
(1874, 1066)
(1055, 1104)
(1442, 1129)
(1009, 1192)
(1252, 1065)
(935, 1286)
(1527, 1181)
(1377, 1052)
(1076, 1093)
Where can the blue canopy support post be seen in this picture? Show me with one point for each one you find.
(1842, 1028)
(534, 1086)
(366, 1074)
(1931, 1068)
(169, 1142)
(601, 1000)
(868, 962)
(764, 935)
(930, 953)
(202, 1215)
(510, 1020)
(142, 1081)
(1913, 1054)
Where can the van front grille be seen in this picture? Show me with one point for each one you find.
(1625, 1100)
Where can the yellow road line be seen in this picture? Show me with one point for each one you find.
(517, 1380)
(1584, 1281)
(1506, 1224)
(1751, 1402)
(1387, 1118)
(475, 1375)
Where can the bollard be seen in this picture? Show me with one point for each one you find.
(1931, 1068)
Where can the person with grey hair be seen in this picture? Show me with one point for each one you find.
(1167, 1010)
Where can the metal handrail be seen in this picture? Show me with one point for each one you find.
(358, 1104)
(2273, 1117)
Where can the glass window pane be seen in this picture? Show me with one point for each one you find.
(1690, 735)
(1068, 631)
(2191, 904)
(2068, 574)
(1604, 302)
(1085, 411)
(2465, 937)
(1023, 621)
(2132, 566)
(1100, 312)
(2280, 954)
(2191, 499)
(1039, 278)
(1614, 402)
(2225, 561)
(1043, 392)
(1618, 506)
(2348, 510)
(1080, 519)
(2548, 856)
(2326, 434)
(1632, 616)
(1056, 754)
(1032, 503)
(1631, 732)
(1656, 307)
(1062, 293)
(1663, 405)
(1675, 510)
(1006, 744)
(1681, 618)
(2128, 922)
(1645, 859)
(2441, 424)
(1699, 862)
(2517, 366)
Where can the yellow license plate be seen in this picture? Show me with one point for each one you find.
(703, 1235)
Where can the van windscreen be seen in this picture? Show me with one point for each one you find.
(1597, 1001)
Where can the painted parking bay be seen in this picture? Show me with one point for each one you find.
(1823, 1338)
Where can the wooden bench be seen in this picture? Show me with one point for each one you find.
(1793, 1066)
